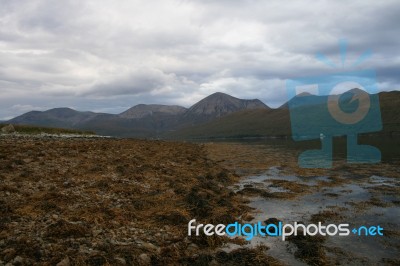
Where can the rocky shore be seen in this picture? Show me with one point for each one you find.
(95, 201)
(358, 194)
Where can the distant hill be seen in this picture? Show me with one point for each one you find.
(57, 117)
(143, 110)
(276, 122)
(217, 105)
(216, 116)
(390, 110)
(145, 121)
(241, 124)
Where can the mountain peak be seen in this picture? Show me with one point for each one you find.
(219, 104)
(304, 94)
(61, 110)
(219, 94)
(354, 91)
(142, 110)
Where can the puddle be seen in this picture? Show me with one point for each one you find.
(275, 189)
(251, 181)
(361, 246)
(354, 203)
(380, 180)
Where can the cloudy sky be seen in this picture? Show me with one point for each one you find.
(107, 56)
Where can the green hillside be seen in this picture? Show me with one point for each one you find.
(248, 123)
(276, 122)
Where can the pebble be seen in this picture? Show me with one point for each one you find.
(18, 260)
(213, 263)
(97, 232)
(9, 254)
(27, 160)
(64, 262)
(120, 260)
(149, 246)
(192, 247)
(144, 259)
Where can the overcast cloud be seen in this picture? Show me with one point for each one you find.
(110, 55)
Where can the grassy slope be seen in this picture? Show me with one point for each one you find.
(390, 110)
(248, 123)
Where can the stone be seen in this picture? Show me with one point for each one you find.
(64, 262)
(8, 254)
(120, 261)
(18, 260)
(149, 246)
(192, 247)
(274, 221)
(144, 259)
(213, 263)
(27, 160)
(97, 232)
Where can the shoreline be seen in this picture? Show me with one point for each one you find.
(85, 201)
(113, 201)
(279, 191)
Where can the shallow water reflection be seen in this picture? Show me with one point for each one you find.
(366, 201)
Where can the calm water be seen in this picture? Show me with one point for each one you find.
(350, 199)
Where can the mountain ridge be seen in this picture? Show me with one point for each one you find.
(142, 120)
(220, 103)
(142, 110)
(217, 105)
(217, 115)
(276, 122)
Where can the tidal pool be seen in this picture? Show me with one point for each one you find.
(368, 201)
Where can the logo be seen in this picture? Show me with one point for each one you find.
(340, 104)
(249, 231)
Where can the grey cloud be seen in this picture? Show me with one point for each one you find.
(133, 83)
(129, 85)
(101, 56)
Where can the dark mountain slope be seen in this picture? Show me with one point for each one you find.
(245, 123)
(142, 120)
(217, 105)
(57, 117)
(218, 115)
(143, 110)
(276, 122)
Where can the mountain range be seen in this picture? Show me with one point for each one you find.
(143, 120)
(216, 116)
